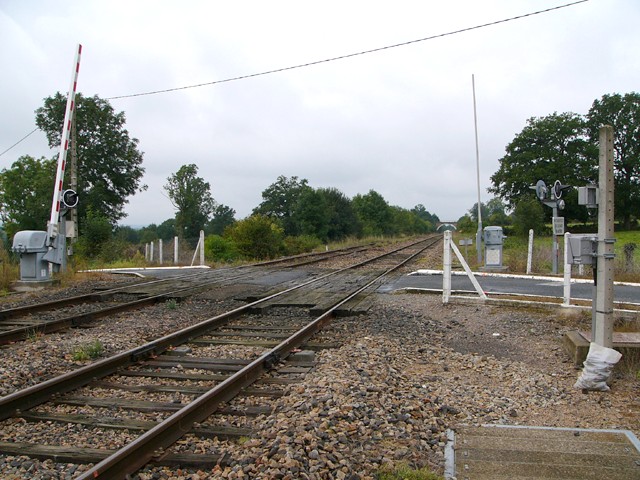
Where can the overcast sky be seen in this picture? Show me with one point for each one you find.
(398, 121)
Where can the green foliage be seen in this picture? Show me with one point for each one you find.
(423, 213)
(622, 112)
(171, 304)
(109, 162)
(300, 244)
(466, 225)
(191, 196)
(404, 472)
(96, 234)
(280, 200)
(26, 190)
(217, 248)
(88, 351)
(257, 237)
(555, 147)
(312, 215)
(374, 213)
(223, 217)
(343, 221)
(527, 215)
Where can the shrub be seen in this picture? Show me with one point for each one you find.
(300, 244)
(257, 237)
(217, 248)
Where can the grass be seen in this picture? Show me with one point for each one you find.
(627, 266)
(88, 351)
(404, 472)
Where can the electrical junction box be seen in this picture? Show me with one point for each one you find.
(31, 245)
(582, 249)
(589, 196)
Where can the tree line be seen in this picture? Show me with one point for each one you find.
(560, 146)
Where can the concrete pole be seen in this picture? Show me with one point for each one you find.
(160, 251)
(201, 247)
(530, 252)
(175, 250)
(603, 334)
(146, 252)
(567, 272)
(556, 250)
(446, 271)
(151, 252)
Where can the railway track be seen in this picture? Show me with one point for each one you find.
(172, 386)
(24, 322)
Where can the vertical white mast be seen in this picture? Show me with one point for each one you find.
(52, 228)
(475, 123)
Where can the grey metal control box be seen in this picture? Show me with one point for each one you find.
(493, 241)
(31, 245)
(582, 249)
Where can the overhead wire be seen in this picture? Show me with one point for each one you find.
(327, 60)
(350, 55)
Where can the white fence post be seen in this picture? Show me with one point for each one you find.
(175, 250)
(160, 251)
(146, 252)
(567, 272)
(446, 272)
(201, 247)
(151, 252)
(530, 252)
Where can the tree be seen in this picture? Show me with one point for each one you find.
(312, 215)
(374, 213)
(191, 196)
(167, 229)
(622, 112)
(280, 199)
(343, 221)
(422, 213)
(109, 162)
(528, 214)
(25, 194)
(223, 216)
(555, 147)
(257, 236)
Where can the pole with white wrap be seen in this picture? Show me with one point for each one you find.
(52, 228)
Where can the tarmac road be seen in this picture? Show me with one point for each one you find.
(514, 284)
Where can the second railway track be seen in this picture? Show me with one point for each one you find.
(186, 377)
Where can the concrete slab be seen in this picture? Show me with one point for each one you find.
(577, 343)
(519, 452)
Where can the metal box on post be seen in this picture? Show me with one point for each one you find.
(582, 249)
(493, 241)
(31, 245)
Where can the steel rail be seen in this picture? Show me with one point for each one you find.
(48, 326)
(42, 392)
(145, 448)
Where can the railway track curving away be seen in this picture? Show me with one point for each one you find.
(203, 381)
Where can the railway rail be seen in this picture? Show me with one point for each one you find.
(169, 367)
(23, 322)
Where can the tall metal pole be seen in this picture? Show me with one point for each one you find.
(475, 123)
(603, 334)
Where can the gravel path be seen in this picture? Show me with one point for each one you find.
(406, 372)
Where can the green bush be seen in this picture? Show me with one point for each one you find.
(300, 244)
(257, 237)
(221, 249)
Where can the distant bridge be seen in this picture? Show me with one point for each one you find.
(442, 226)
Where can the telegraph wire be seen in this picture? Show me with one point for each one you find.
(327, 60)
(350, 55)
(20, 141)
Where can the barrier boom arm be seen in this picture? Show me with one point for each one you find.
(52, 228)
